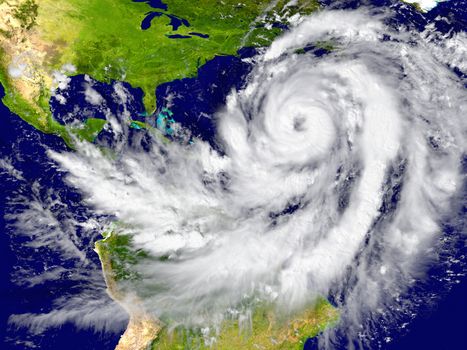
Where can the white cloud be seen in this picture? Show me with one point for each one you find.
(19, 68)
(60, 98)
(328, 135)
(92, 96)
(425, 5)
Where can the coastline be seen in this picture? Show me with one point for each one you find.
(142, 328)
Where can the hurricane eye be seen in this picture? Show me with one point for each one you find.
(299, 123)
(252, 198)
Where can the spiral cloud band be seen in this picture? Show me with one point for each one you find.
(333, 173)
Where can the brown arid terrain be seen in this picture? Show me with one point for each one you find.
(142, 328)
(24, 55)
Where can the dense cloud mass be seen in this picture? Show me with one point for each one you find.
(331, 178)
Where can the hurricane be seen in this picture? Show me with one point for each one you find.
(329, 176)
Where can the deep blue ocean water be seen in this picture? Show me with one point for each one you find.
(24, 147)
(444, 327)
(78, 108)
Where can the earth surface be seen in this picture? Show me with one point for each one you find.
(233, 175)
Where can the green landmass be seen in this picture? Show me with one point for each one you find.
(415, 5)
(269, 328)
(119, 252)
(325, 45)
(103, 38)
(26, 13)
(89, 129)
(267, 331)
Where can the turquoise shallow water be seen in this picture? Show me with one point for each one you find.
(443, 327)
